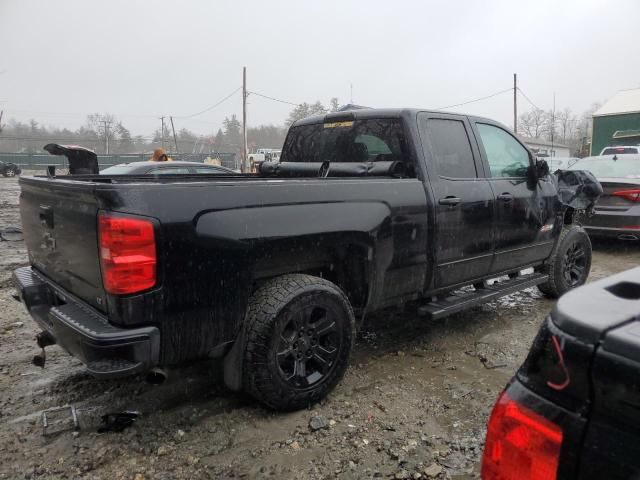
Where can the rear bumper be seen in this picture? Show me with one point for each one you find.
(106, 350)
(614, 223)
(623, 233)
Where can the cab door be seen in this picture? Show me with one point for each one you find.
(525, 214)
(464, 199)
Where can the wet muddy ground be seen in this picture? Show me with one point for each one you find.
(413, 404)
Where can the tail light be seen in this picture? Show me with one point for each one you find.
(520, 444)
(631, 195)
(127, 254)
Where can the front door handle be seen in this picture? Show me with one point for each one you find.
(450, 201)
(505, 197)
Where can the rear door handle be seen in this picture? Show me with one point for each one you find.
(505, 197)
(450, 201)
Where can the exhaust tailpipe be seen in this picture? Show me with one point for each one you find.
(156, 376)
(628, 236)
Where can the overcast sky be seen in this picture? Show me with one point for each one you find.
(141, 59)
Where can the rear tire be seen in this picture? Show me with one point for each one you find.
(569, 264)
(300, 331)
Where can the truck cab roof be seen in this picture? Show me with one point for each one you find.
(361, 114)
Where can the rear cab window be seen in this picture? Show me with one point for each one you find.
(352, 141)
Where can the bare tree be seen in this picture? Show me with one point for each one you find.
(103, 125)
(566, 122)
(534, 124)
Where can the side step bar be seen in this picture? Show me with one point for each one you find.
(457, 302)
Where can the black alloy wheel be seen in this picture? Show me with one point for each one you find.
(569, 264)
(308, 345)
(574, 265)
(299, 333)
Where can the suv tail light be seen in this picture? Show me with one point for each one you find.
(631, 195)
(127, 253)
(520, 444)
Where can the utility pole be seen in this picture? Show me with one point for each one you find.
(162, 130)
(553, 123)
(106, 137)
(175, 140)
(515, 103)
(1, 113)
(245, 163)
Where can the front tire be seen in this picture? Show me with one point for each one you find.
(10, 172)
(569, 264)
(300, 331)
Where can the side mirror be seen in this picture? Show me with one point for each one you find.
(542, 168)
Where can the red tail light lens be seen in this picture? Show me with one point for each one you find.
(631, 195)
(520, 444)
(127, 254)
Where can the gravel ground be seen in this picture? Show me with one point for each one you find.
(413, 404)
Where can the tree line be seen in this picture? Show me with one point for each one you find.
(104, 132)
(563, 127)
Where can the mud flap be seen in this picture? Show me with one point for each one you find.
(233, 363)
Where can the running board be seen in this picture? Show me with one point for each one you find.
(457, 302)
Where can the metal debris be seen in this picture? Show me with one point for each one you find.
(59, 419)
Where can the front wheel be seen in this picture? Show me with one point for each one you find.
(10, 172)
(569, 264)
(300, 330)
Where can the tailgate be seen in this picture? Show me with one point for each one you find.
(60, 230)
(607, 313)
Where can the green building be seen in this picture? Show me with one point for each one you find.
(617, 122)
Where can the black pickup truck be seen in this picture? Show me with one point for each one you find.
(573, 409)
(274, 271)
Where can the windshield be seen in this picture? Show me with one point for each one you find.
(619, 150)
(380, 139)
(119, 169)
(607, 167)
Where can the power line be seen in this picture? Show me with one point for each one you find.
(477, 99)
(212, 106)
(275, 99)
(77, 114)
(56, 139)
(528, 99)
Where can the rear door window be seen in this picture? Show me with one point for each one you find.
(506, 156)
(450, 148)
